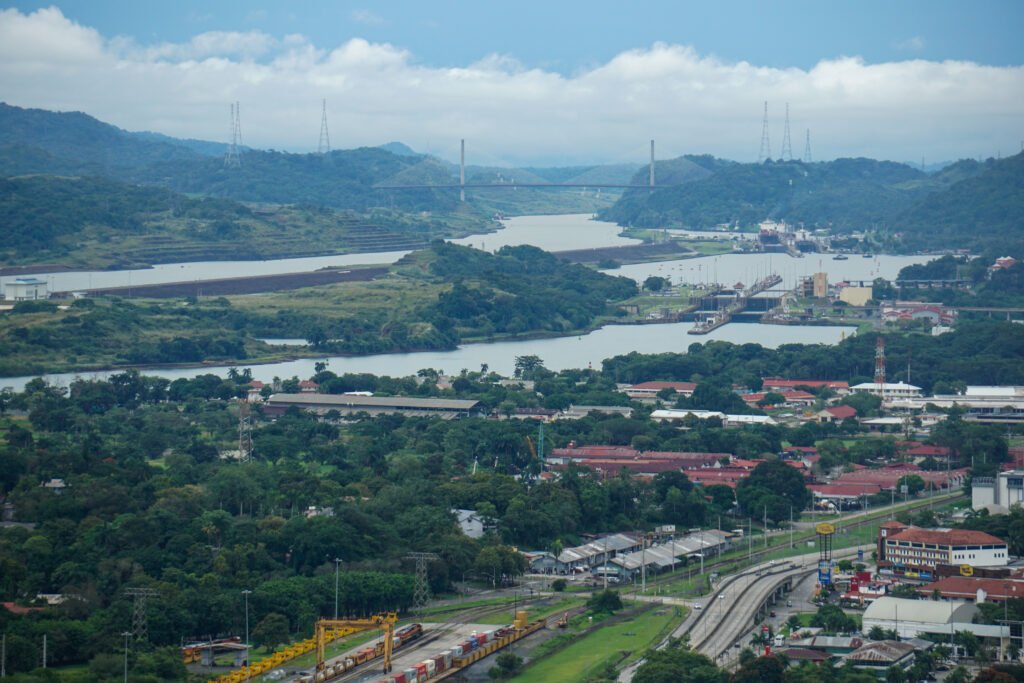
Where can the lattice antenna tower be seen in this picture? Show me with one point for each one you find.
(324, 147)
(807, 148)
(766, 145)
(787, 147)
(880, 365)
(140, 616)
(244, 432)
(421, 589)
(232, 158)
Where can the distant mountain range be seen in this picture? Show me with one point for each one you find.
(967, 204)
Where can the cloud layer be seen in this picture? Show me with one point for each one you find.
(376, 92)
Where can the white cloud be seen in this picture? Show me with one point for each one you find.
(507, 111)
(365, 16)
(912, 44)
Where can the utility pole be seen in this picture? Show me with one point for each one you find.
(3, 657)
(44, 650)
(750, 539)
(790, 527)
(337, 570)
(126, 635)
(246, 593)
(652, 166)
(765, 523)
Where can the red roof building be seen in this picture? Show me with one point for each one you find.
(973, 589)
(790, 398)
(837, 414)
(780, 384)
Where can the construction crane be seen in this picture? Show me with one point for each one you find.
(385, 622)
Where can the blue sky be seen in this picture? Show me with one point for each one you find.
(568, 35)
(537, 82)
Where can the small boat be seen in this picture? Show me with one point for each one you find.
(840, 257)
(869, 256)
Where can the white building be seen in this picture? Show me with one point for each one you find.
(887, 389)
(998, 494)
(25, 289)
(470, 522)
(993, 404)
(727, 420)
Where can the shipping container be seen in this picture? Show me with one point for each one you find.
(438, 664)
(399, 678)
(431, 667)
(410, 675)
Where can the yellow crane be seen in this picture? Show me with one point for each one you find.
(324, 627)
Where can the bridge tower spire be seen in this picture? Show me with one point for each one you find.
(766, 145)
(652, 166)
(462, 171)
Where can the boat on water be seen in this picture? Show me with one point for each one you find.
(840, 257)
(869, 256)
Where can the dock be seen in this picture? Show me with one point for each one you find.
(713, 320)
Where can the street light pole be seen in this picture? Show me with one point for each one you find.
(246, 594)
(126, 634)
(337, 569)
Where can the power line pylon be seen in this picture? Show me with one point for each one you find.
(231, 157)
(140, 616)
(324, 147)
(766, 145)
(421, 591)
(807, 148)
(787, 147)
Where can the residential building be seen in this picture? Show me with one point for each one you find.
(727, 420)
(879, 656)
(836, 414)
(793, 399)
(889, 390)
(778, 384)
(648, 391)
(974, 589)
(470, 522)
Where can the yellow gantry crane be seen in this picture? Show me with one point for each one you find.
(327, 629)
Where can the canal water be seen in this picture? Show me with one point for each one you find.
(554, 233)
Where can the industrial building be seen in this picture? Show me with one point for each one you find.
(998, 494)
(994, 404)
(25, 289)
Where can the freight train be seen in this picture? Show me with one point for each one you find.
(402, 637)
(457, 657)
(193, 651)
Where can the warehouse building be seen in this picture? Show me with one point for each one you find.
(347, 404)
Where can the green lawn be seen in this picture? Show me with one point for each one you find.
(539, 612)
(620, 643)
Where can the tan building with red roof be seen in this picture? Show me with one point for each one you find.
(974, 589)
(649, 390)
(913, 551)
(780, 384)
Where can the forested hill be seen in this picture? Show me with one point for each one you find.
(845, 194)
(40, 141)
(983, 212)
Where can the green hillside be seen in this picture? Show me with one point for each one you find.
(983, 212)
(846, 194)
(100, 222)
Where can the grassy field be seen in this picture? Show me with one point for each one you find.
(620, 642)
(539, 612)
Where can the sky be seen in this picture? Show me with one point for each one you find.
(532, 82)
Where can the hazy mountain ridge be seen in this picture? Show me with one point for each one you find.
(844, 194)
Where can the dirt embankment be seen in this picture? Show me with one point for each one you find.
(245, 285)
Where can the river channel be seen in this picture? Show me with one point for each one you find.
(554, 233)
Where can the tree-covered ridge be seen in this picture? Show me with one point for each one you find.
(519, 289)
(982, 212)
(845, 194)
(98, 222)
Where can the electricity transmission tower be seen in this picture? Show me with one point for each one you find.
(231, 157)
(787, 147)
(421, 591)
(807, 148)
(324, 147)
(140, 617)
(766, 145)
